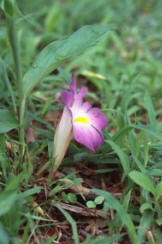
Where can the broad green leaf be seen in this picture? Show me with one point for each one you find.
(142, 180)
(125, 218)
(123, 157)
(7, 200)
(7, 121)
(159, 190)
(58, 52)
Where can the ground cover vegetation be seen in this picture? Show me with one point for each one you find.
(113, 195)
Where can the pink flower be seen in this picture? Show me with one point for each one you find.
(79, 120)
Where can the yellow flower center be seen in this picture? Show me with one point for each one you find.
(82, 119)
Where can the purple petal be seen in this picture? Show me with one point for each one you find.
(73, 84)
(78, 100)
(72, 98)
(67, 98)
(98, 119)
(87, 136)
(86, 106)
(82, 92)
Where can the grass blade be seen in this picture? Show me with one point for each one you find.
(125, 218)
(150, 109)
(123, 157)
(72, 223)
(142, 180)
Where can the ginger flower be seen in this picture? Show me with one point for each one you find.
(80, 121)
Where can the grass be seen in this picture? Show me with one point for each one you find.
(123, 74)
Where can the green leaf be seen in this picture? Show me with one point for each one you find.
(32, 191)
(103, 239)
(159, 221)
(155, 172)
(142, 180)
(150, 109)
(91, 204)
(71, 197)
(158, 234)
(145, 223)
(159, 190)
(4, 238)
(99, 200)
(7, 200)
(149, 130)
(145, 206)
(3, 156)
(127, 199)
(58, 52)
(121, 133)
(123, 157)
(15, 182)
(125, 218)
(8, 7)
(7, 121)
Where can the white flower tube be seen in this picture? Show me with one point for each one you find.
(62, 138)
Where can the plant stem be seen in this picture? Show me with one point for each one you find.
(21, 119)
(18, 69)
(11, 93)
